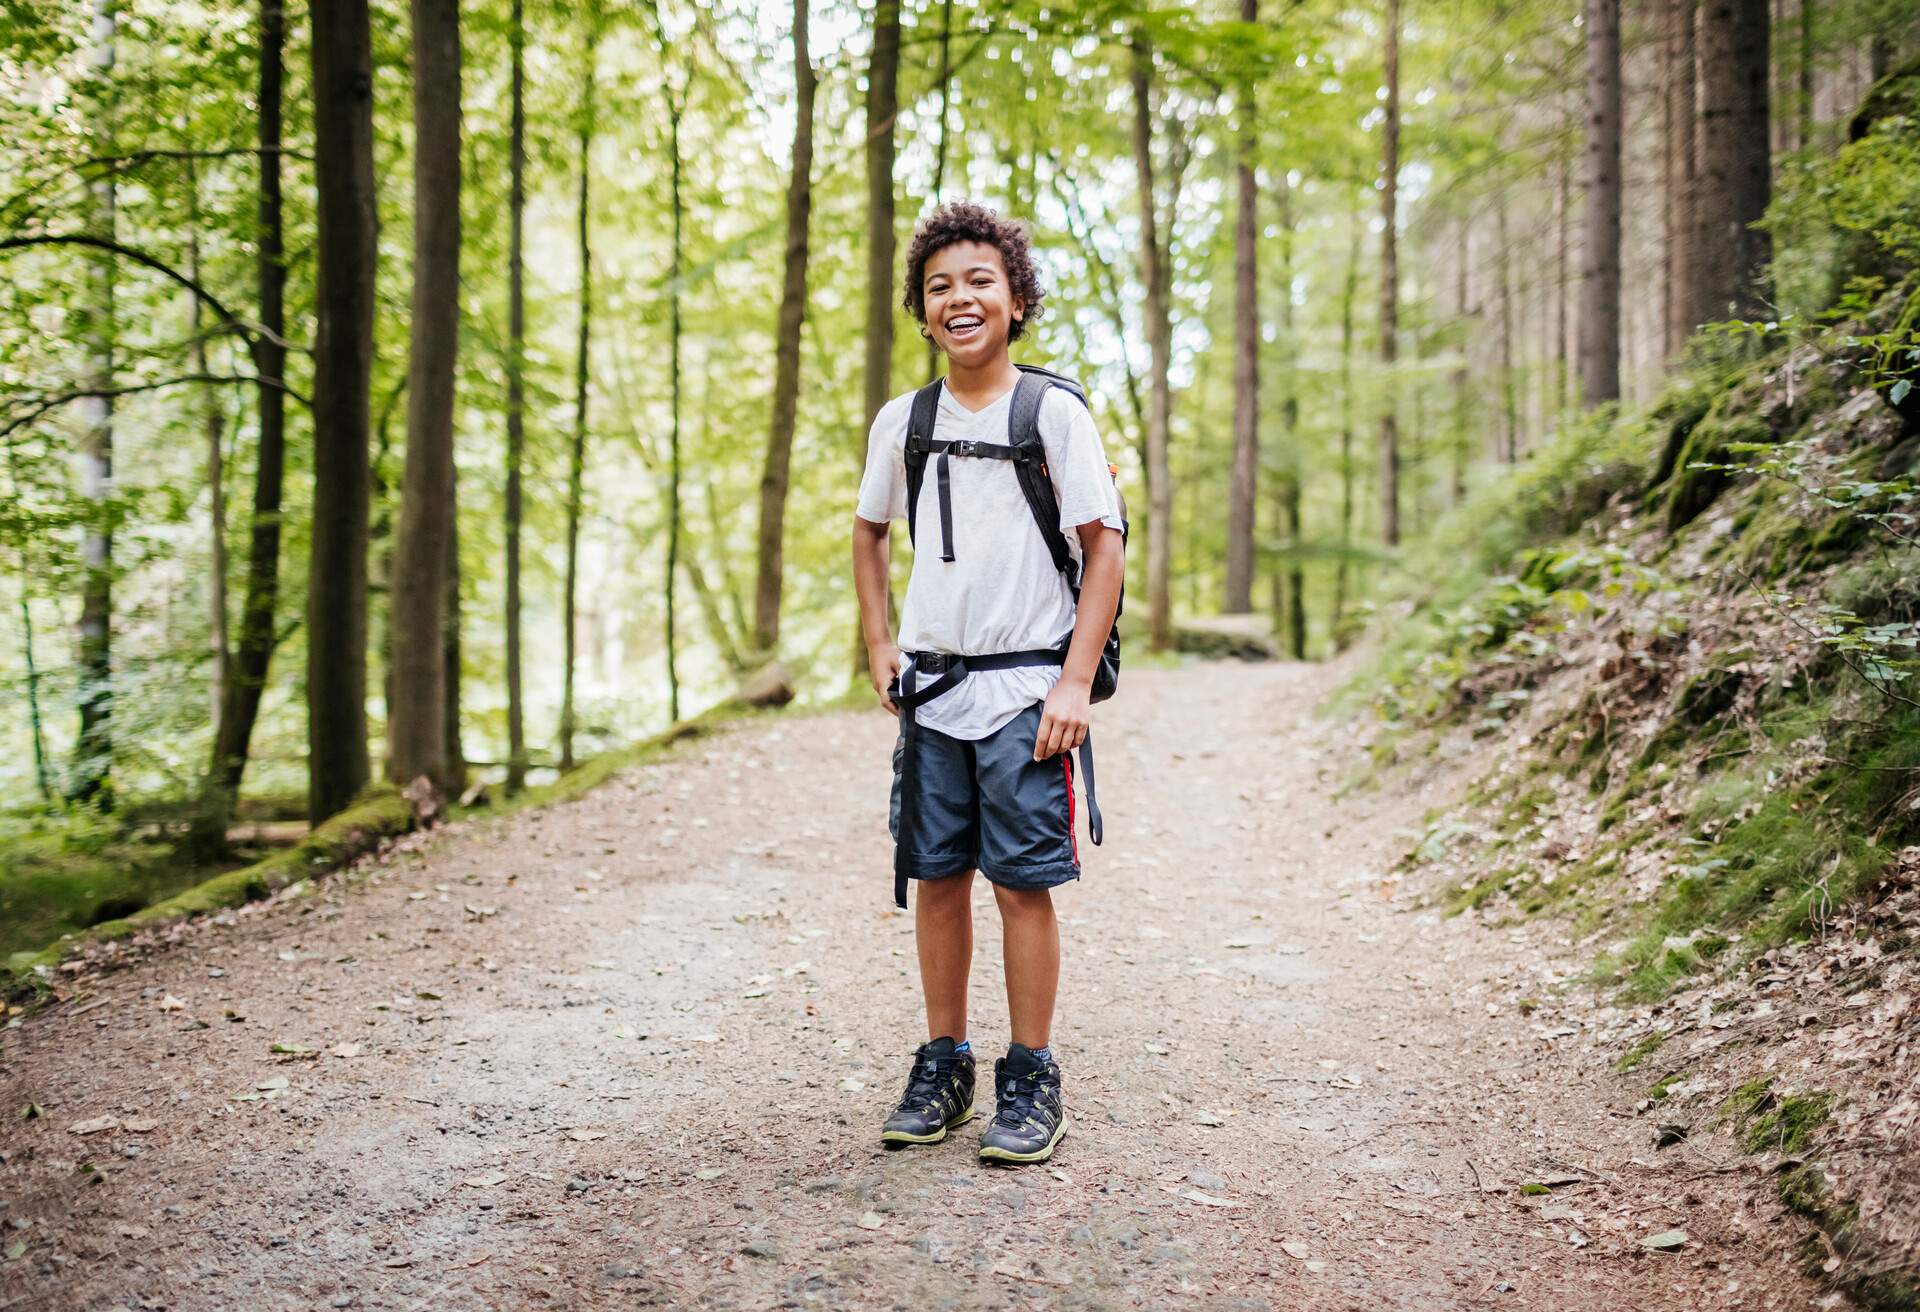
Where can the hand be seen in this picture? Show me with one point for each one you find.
(1064, 719)
(883, 667)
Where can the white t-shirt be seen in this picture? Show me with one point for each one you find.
(1001, 591)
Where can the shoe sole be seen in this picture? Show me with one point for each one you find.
(1008, 1155)
(903, 1138)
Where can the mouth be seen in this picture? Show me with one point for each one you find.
(964, 326)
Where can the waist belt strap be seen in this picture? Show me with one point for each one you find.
(948, 672)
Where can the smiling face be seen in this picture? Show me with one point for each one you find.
(971, 307)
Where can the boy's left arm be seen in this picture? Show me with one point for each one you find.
(1069, 707)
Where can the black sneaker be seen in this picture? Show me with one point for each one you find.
(939, 1096)
(1031, 1115)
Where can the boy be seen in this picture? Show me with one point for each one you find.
(982, 776)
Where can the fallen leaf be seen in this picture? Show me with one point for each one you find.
(871, 1220)
(1295, 1249)
(709, 1173)
(485, 1181)
(1666, 1240)
(95, 1125)
(272, 1083)
(851, 1085)
(140, 1125)
(31, 1112)
(171, 1003)
(1208, 1118)
(290, 1049)
(16, 1248)
(345, 1050)
(586, 1136)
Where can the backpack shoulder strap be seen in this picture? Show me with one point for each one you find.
(920, 421)
(1023, 435)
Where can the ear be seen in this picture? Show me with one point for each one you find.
(1019, 309)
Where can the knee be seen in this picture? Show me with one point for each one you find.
(1024, 903)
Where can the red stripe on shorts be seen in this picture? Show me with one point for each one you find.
(1073, 832)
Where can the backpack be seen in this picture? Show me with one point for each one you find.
(1028, 454)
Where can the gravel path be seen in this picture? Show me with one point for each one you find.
(634, 1050)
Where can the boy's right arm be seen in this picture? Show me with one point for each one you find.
(870, 585)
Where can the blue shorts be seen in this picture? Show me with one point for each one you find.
(987, 805)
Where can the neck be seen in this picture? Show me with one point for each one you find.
(984, 381)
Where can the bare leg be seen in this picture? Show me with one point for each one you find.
(1031, 941)
(943, 932)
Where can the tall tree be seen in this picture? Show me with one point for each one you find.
(1349, 294)
(246, 676)
(1390, 283)
(93, 752)
(1731, 253)
(416, 719)
(943, 78)
(1678, 163)
(516, 386)
(676, 109)
(1156, 270)
(883, 109)
(1292, 620)
(1242, 486)
(786, 362)
(1600, 181)
(577, 452)
(342, 56)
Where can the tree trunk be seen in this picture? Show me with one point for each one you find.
(1390, 285)
(1600, 179)
(1293, 622)
(93, 751)
(1804, 70)
(216, 420)
(786, 360)
(1509, 391)
(450, 646)
(577, 454)
(673, 388)
(1562, 291)
(416, 716)
(1462, 377)
(1735, 165)
(1682, 161)
(253, 653)
(1243, 484)
(41, 773)
(516, 389)
(945, 80)
(346, 252)
(883, 106)
(1349, 294)
(1155, 269)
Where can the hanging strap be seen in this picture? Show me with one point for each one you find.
(948, 671)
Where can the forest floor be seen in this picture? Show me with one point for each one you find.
(635, 1049)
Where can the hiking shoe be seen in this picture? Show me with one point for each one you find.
(1031, 1115)
(939, 1096)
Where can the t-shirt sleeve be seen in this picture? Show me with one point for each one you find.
(1081, 480)
(883, 487)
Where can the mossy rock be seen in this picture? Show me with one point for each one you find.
(1690, 491)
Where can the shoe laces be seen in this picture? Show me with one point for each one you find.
(929, 1077)
(1017, 1098)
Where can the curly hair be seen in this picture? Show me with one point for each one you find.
(965, 220)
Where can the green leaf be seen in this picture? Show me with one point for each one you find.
(1900, 390)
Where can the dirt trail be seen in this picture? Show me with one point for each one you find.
(634, 1050)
